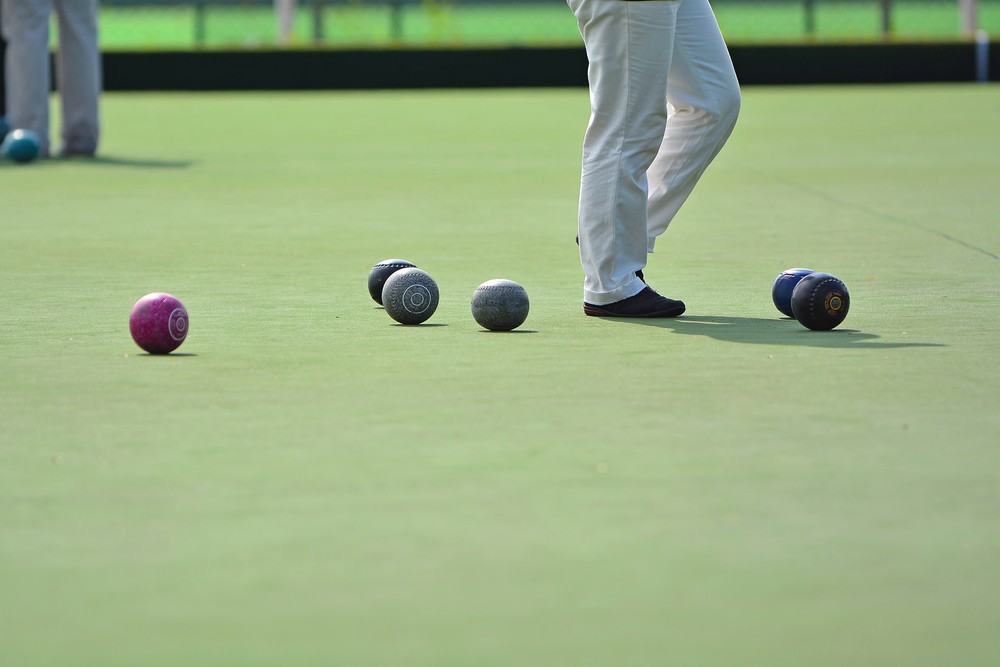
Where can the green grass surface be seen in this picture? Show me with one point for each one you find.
(455, 24)
(309, 484)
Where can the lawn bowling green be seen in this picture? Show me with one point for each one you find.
(304, 483)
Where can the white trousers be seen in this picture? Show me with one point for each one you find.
(78, 69)
(664, 99)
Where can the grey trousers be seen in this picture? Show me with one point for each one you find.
(78, 69)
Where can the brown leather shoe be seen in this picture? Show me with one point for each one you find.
(646, 303)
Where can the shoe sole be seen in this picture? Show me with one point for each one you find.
(594, 311)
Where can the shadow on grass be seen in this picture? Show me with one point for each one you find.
(759, 331)
(102, 161)
(171, 355)
(141, 163)
(514, 331)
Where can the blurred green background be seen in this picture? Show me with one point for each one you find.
(186, 24)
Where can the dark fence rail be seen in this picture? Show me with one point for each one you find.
(331, 69)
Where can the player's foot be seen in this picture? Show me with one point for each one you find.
(646, 303)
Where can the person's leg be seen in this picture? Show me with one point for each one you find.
(78, 75)
(704, 101)
(3, 93)
(28, 83)
(629, 46)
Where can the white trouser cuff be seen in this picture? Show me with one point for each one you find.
(604, 298)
